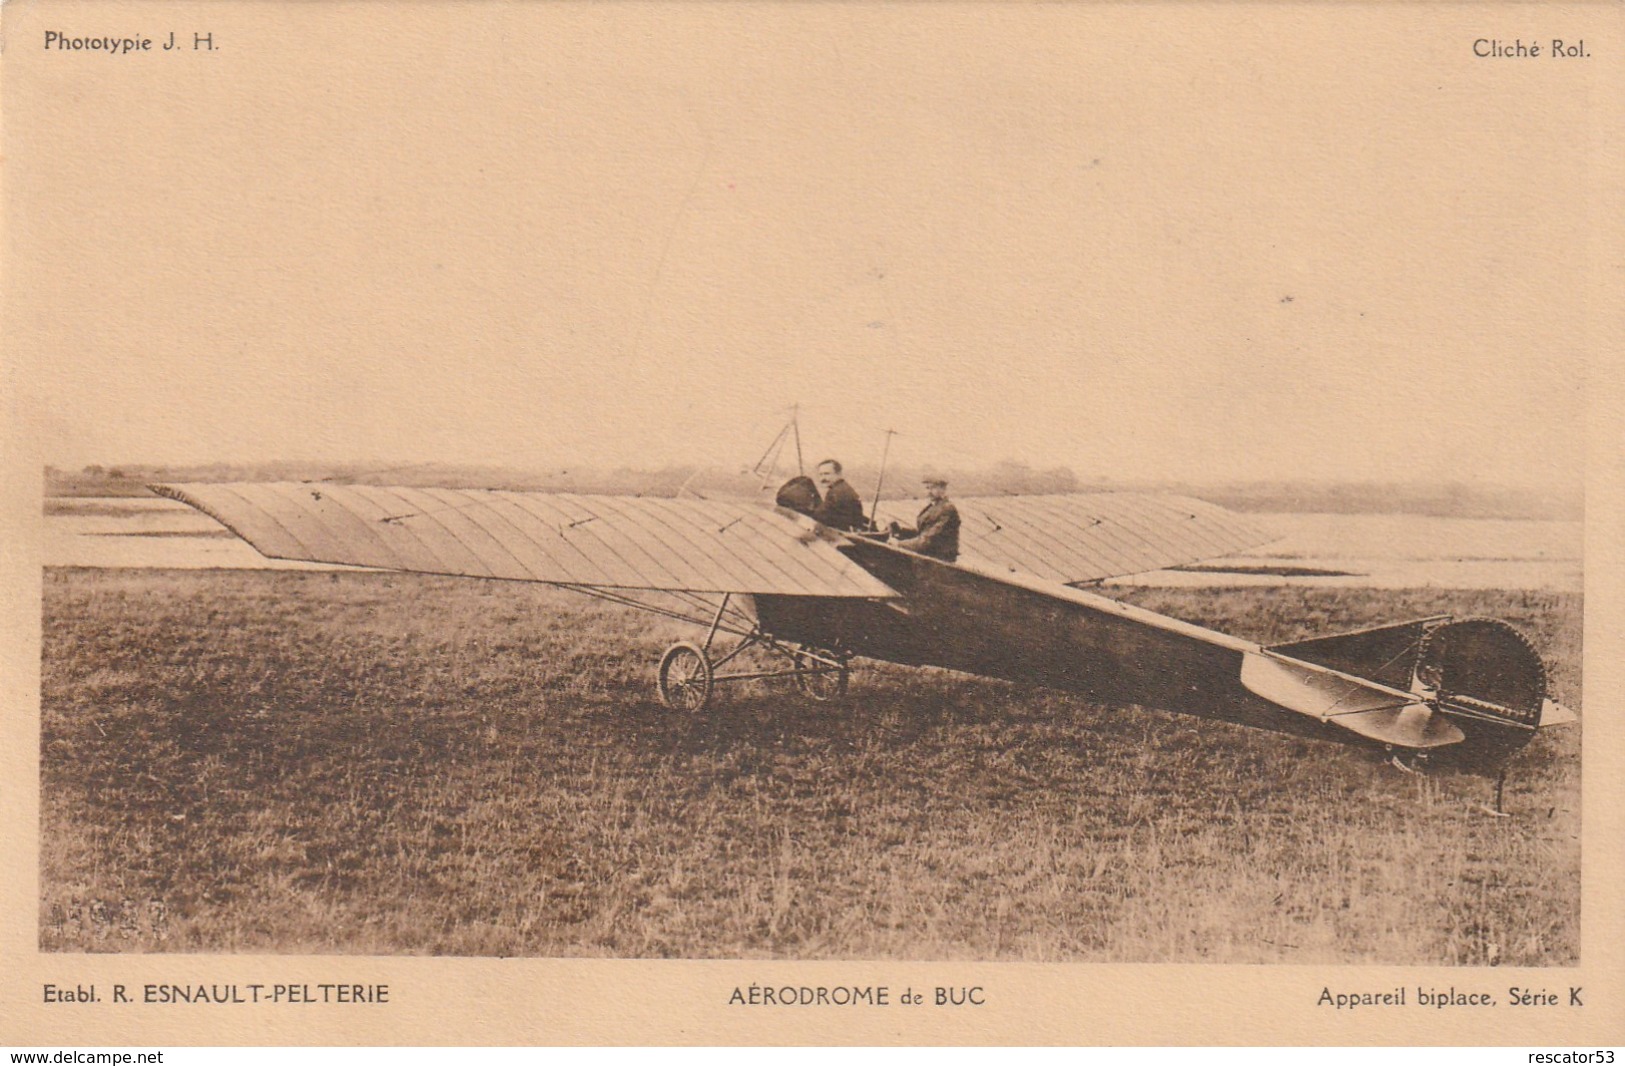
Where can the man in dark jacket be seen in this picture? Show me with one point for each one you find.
(841, 507)
(936, 531)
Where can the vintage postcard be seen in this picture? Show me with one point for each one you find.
(737, 523)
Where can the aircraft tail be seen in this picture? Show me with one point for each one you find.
(1478, 674)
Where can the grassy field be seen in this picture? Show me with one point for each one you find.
(364, 763)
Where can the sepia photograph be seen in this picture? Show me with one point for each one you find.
(1034, 726)
(863, 496)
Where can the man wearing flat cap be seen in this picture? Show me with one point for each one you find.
(936, 531)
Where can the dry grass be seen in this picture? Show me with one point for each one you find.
(360, 763)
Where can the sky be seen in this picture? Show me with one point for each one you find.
(1168, 241)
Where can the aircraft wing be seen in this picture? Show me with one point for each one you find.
(601, 541)
(1082, 537)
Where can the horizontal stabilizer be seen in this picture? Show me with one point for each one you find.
(1411, 726)
(1313, 690)
(1375, 711)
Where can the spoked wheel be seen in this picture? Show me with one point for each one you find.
(685, 678)
(821, 674)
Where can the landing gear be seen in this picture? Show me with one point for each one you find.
(1500, 789)
(1410, 762)
(1415, 763)
(685, 678)
(821, 674)
(688, 675)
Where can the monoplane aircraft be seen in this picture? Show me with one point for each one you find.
(756, 576)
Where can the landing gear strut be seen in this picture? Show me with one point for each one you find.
(688, 675)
